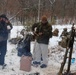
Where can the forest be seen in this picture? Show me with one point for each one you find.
(57, 11)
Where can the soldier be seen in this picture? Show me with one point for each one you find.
(64, 33)
(65, 38)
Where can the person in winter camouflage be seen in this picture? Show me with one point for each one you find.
(43, 33)
(65, 38)
(64, 32)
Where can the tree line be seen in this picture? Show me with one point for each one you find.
(28, 9)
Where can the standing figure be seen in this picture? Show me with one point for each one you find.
(43, 33)
(4, 30)
(64, 32)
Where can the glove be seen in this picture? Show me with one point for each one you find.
(8, 27)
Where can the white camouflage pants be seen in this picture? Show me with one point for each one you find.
(41, 50)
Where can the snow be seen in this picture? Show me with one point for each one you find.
(16, 31)
(56, 54)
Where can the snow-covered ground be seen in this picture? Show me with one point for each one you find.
(56, 54)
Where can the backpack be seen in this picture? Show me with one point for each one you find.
(63, 43)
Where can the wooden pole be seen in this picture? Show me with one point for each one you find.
(71, 48)
(63, 63)
(69, 45)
